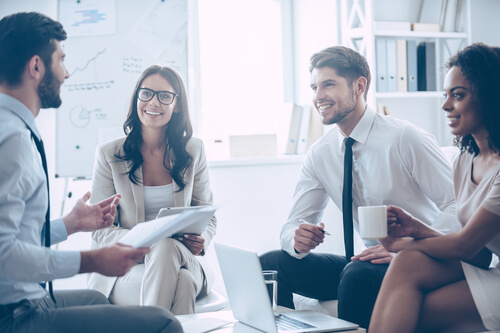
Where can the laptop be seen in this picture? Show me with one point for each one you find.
(249, 300)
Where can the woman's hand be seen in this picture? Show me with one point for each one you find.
(195, 243)
(402, 224)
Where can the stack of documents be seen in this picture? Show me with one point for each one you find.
(193, 221)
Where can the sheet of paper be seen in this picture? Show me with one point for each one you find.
(202, 325)
(146, 233)
(151, 33)
(88, 18)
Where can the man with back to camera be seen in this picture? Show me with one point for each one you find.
(393, 163)
(31, 74)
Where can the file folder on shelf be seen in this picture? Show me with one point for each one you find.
(411, 52)
(381, 53)
(426, 66)
(392, 80)
(401, 66)
(293, 134)
(303, 130)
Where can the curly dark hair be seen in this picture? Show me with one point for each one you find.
(178, 132)
(480, 64)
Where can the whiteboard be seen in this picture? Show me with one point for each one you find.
(105, 55)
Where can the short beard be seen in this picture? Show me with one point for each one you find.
(346, 110)
(48, 91)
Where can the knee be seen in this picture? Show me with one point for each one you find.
(94, 297)
(167, 250)
(273, 259)
(162, 320)
(361, 275)
(166, 244)
(409, 262)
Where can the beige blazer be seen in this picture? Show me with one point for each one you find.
(111, 177)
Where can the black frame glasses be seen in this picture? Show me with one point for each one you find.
(157, 93)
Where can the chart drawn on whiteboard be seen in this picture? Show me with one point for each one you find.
(81, 69)
(80, 116)
(88, 75)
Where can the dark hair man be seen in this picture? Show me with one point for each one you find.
(31, 74)
(393, 163)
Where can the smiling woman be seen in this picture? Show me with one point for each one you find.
(158, 164)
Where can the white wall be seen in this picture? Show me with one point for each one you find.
(484, 21)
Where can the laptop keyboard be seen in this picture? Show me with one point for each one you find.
(285, 323)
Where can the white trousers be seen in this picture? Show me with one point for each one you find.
(172, 278)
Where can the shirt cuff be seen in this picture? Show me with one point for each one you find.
(66, 263)
(58, 231)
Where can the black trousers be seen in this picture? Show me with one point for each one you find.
(327, 276)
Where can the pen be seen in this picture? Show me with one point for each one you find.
(322, 230)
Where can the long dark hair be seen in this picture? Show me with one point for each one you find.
(480, 64)
(177, 133)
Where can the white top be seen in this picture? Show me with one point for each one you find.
(394, 163)
(470, 196)
(483, 284)
(156, 198)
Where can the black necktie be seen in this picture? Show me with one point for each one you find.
(41, 150)
(347, 200)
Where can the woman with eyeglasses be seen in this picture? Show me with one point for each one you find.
(445, 283)
(157, 164)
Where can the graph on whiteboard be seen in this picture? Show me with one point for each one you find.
(87, 18)
(89, 74)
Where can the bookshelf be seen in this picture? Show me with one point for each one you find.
(359, 31)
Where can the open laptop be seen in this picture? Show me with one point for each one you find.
(249, 300)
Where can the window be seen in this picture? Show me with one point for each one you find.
(241, 70)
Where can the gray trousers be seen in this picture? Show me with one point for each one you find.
(84, 311)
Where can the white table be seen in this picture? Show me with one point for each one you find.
(227, 315)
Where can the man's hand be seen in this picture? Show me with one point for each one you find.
(114, 260)
(376, 255)
(86, 217)
(195, 243)
(308, 236)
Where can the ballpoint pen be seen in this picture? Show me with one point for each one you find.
(322, 230)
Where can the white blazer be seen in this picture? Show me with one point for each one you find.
(111, 177)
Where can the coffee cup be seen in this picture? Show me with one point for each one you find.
(372, 222)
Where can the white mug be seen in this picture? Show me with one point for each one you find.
(372, 222)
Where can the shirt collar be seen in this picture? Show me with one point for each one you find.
(362, 129)
(20, 110)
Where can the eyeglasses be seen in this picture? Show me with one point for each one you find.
(164, 97)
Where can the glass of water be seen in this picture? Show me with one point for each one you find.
(271, 280)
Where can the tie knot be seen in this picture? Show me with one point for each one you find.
(349, 142)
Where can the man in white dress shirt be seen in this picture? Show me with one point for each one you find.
(31, 74)
(394, 163)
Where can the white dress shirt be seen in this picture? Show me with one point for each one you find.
(24, 262)
(394, 163)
